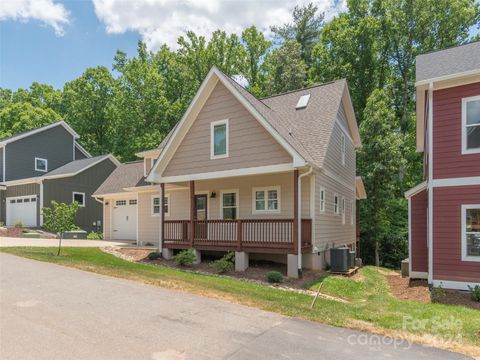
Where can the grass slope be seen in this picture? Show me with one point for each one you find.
(372, 307)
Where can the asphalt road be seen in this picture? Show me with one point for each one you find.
(52, 312)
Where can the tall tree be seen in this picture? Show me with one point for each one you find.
(305, 29)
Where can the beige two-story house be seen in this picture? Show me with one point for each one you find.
(272, 178)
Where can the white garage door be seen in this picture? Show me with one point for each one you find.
(124, 219)
(23, 208)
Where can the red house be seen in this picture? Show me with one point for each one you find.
(444, 210)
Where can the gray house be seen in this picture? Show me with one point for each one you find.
(48, 164)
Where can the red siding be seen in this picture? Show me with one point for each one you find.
(418, 228)
(448, 161)
(447, 263)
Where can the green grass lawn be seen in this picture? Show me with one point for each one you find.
(371, 308)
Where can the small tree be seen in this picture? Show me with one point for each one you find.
(59, 218)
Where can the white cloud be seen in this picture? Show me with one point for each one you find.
(47, 11)
(163, 21)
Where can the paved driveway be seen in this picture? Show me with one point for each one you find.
(10, 241)
(52, 312)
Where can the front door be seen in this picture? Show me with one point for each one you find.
(201, 216)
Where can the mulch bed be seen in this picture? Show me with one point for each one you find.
(463, 298)
(18, 233)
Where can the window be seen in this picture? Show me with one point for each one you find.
(156, 205)
(266, 199)
(229, 204)
(336, 208)
(79, 198)
(132, 202)
(471, 233)
(121, 202)
(41, 164)
(322, 200)
(219, 139)
(351, 212)
(343, 147)
(471, 125)
(343, 210)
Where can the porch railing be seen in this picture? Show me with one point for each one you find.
(236, 234)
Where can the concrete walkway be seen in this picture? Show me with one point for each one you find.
(10, 241)
(53, 312)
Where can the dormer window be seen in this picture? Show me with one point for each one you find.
(41, 164)
(219, 139)
(471, 125)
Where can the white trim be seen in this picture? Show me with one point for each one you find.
(409, 201)
(36, 131)
(79, 193)
(46, 164)
(458, 285)
(265, 190)
(41, 198)
(82, 150)
(3, 163)
(73, 148)
(466, 100)
(416, 189)
(466, 181)
(322, 190)
(430, 183)
(336, 210)
(228, 173)
(352, 212)
(418, 275)
(360, 193)
(313, 205)
(343, 210)
(465, 257)
(237, 201)
(447, 77)
(343, 148)
(167, 196)
(212, 139)
(149, 153)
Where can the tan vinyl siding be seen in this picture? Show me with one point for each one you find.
(107, 219)
(148, 224)
(329, 230)
(333, 159)
(250, 144)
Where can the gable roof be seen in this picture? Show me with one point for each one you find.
(70, 169)
(124, 176)
(82, 150)
(25, 134)
(298, 131)
(455, 60)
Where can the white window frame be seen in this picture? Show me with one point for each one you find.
(465, 257)
(167, 197)
(78, 193)
(46, 164)
(237, 198)
(466, 151)
(212, 139)
(351, 212)
(265, 190)
(343, 147)
(336, 204)
(344, 204)
(322, 201)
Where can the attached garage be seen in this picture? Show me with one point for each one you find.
(124, 219)
(22, 209)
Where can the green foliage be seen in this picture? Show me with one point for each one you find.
(19, 225)
(224, 264)
(59, 218)
(437, 294)
(274, 277)
(154, 255)
(94, 236)
(185, 257)
(475, 293)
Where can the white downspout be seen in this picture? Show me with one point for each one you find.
(299, 216)
(430, 183)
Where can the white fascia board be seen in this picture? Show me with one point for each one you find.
(350, 113)
(36, 131)
(448, 77)
(416, 189)
(149, 153)
(82, 150)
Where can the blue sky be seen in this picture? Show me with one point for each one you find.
(54, 41)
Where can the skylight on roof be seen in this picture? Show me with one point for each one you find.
(302, 102)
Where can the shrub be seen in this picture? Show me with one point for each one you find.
(225, 263)
(19, 225)
(437, 294)
(185, 257)
(475, 293)
(2, 224)
(154, 255)
(94, 236)
(274, 277)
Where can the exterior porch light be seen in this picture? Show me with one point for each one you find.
(213, 195)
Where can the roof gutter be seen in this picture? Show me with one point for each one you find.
(299, 216)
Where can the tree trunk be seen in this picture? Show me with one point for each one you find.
(60, 243)
(377, 253)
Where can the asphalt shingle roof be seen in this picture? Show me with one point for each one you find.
(124, 176)
(76, 165)
(448, 61)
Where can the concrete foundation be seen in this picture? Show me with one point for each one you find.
(198, 256)
(241, 261)
(292, 266)
(167, 254)
(314, 261)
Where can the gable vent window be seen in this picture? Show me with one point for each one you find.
(303, 102)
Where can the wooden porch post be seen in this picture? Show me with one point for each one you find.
(295, 211)
(192, 212)
(162, 214)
